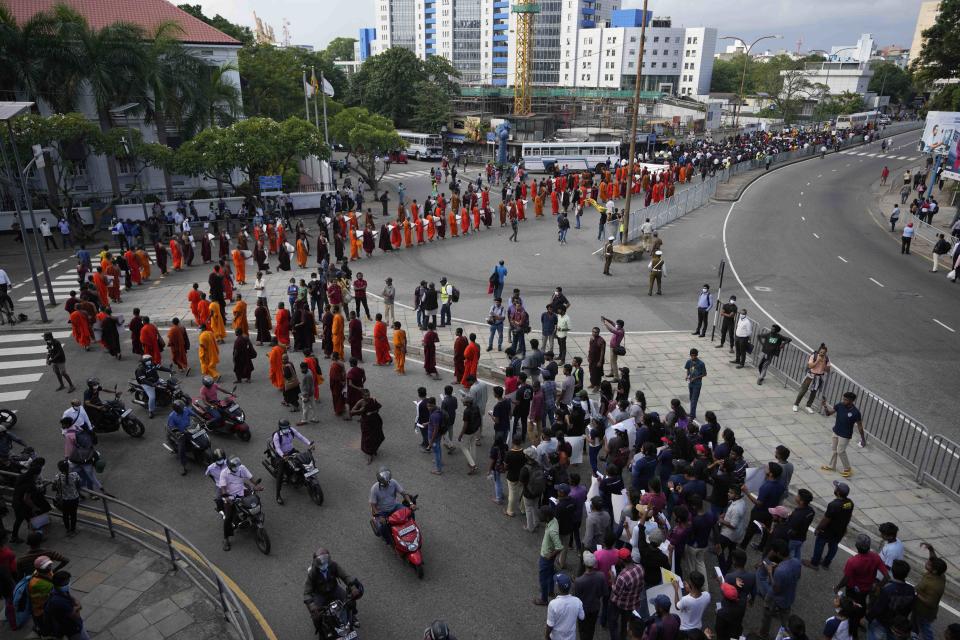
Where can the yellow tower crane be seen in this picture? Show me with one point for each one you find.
(522, 90)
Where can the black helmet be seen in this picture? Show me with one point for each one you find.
(207, 381)
(384, 476)
(178, 405)
(283, 426)
(219, 455)
(93, 383)
(438, 631)
(233, 463)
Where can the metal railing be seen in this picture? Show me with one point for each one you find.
(124, 520)
(934, 457)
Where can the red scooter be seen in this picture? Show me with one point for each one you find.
(232, 418)
(405, 534)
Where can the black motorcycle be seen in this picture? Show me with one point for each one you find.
(15, 464)
(336, 621)
(115, 416)
(8, 418)
(167, 389)
(248, 514)
(198, 443)
(304, 471)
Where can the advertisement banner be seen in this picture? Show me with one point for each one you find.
(941, 136)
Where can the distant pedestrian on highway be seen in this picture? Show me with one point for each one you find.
(497, 279)
(771, 343)
(657, 268)
(847, 417)
(607, 255)
(884, 175)
(904, 193)
(728, 315)
(818, 366)
(894, 216)
(906, 238)
(939, 248)
(704, 302)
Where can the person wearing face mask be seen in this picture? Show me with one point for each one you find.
(704, 302)
(322, 585)
(282, 445)
(728, 315)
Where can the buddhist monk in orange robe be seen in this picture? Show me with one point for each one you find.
(381, 345)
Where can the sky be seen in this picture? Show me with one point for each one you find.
(820, 24)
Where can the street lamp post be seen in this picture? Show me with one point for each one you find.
(743, 76)
(8, 111)
(125, 112)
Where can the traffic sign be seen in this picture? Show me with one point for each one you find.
(271, 183)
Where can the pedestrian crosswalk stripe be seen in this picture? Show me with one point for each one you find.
(872, 155)
(10, 396)
(22, 364)
(24, 337)
(25, 378)
(23, 351)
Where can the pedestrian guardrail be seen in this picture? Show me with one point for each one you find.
(934, 457)
(121, 519)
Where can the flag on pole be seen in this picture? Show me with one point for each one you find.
(308, 89)
(327, 87)
(314, 86)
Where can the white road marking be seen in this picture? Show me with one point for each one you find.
(803, 219)
(801, 193)
(808, 184)
(819, 175)
(816, 236)
(11, 396)
(842, 258)
(876, 283)
(23, 337)
(21, 379)
(22, 364)
(23, 351)
(799, 204)
(944, 326)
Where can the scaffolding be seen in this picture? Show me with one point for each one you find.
(521, 89)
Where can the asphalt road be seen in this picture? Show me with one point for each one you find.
(807, 250)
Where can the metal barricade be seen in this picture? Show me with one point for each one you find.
(935, 458)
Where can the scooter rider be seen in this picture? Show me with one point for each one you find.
(323, 585)
(208, 394)
(179, 421)
(92, 403)
(282, 445)
(234, 480)
(213, 471)
(148, 377)
(384, 500)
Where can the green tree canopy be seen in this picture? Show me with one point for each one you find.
(236, 31)
(255, 146)
(892, 81)
(272, 79)
(939, 58)
(367, 137)
(340, 49)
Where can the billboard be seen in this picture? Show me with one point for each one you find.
(941, 136)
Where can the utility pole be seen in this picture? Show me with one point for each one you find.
(633, 126)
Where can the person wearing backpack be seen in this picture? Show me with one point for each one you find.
(533, 481)
(61, 613)
(446, 300)
(939, 248)
(39, 586)
(80, 449)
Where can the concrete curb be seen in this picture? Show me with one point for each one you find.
(774, 167)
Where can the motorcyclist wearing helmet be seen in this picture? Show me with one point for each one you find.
(438, 630)
(386, 496)
(92, 403)
(178, 422)
(282, 445)
(234, 481)
(213, 471)
(208, 394)
(148, 376)
(322, 585)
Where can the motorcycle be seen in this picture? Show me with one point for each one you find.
(15, 464)
(232, 418)
(198, 443)
(405, 534)
(304, 471)
(335, 621)
(8, 418)
(168, 389)
(248, 514)
(114, 416)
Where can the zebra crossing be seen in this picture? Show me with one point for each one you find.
(66, 282)
(407, 174)
(888, 156)
(22, 363)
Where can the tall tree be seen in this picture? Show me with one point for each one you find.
(385, 84)
(367, 137)
(272, 79)
(236, 31)
(431, 107)
(892, 81)
(340, 49)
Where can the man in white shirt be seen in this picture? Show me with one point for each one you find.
(233, 482)
(647, 230)
(892, 548)
(78, 416)
(564, 611)
(47, 234)
(742, 333)
(64, 227)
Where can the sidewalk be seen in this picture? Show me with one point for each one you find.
(129, 593)
(762, 417)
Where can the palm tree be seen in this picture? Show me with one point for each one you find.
(33, 60)
(216, 100)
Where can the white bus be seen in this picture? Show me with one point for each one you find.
(543, 156)
(857, 120)
(422, 146)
